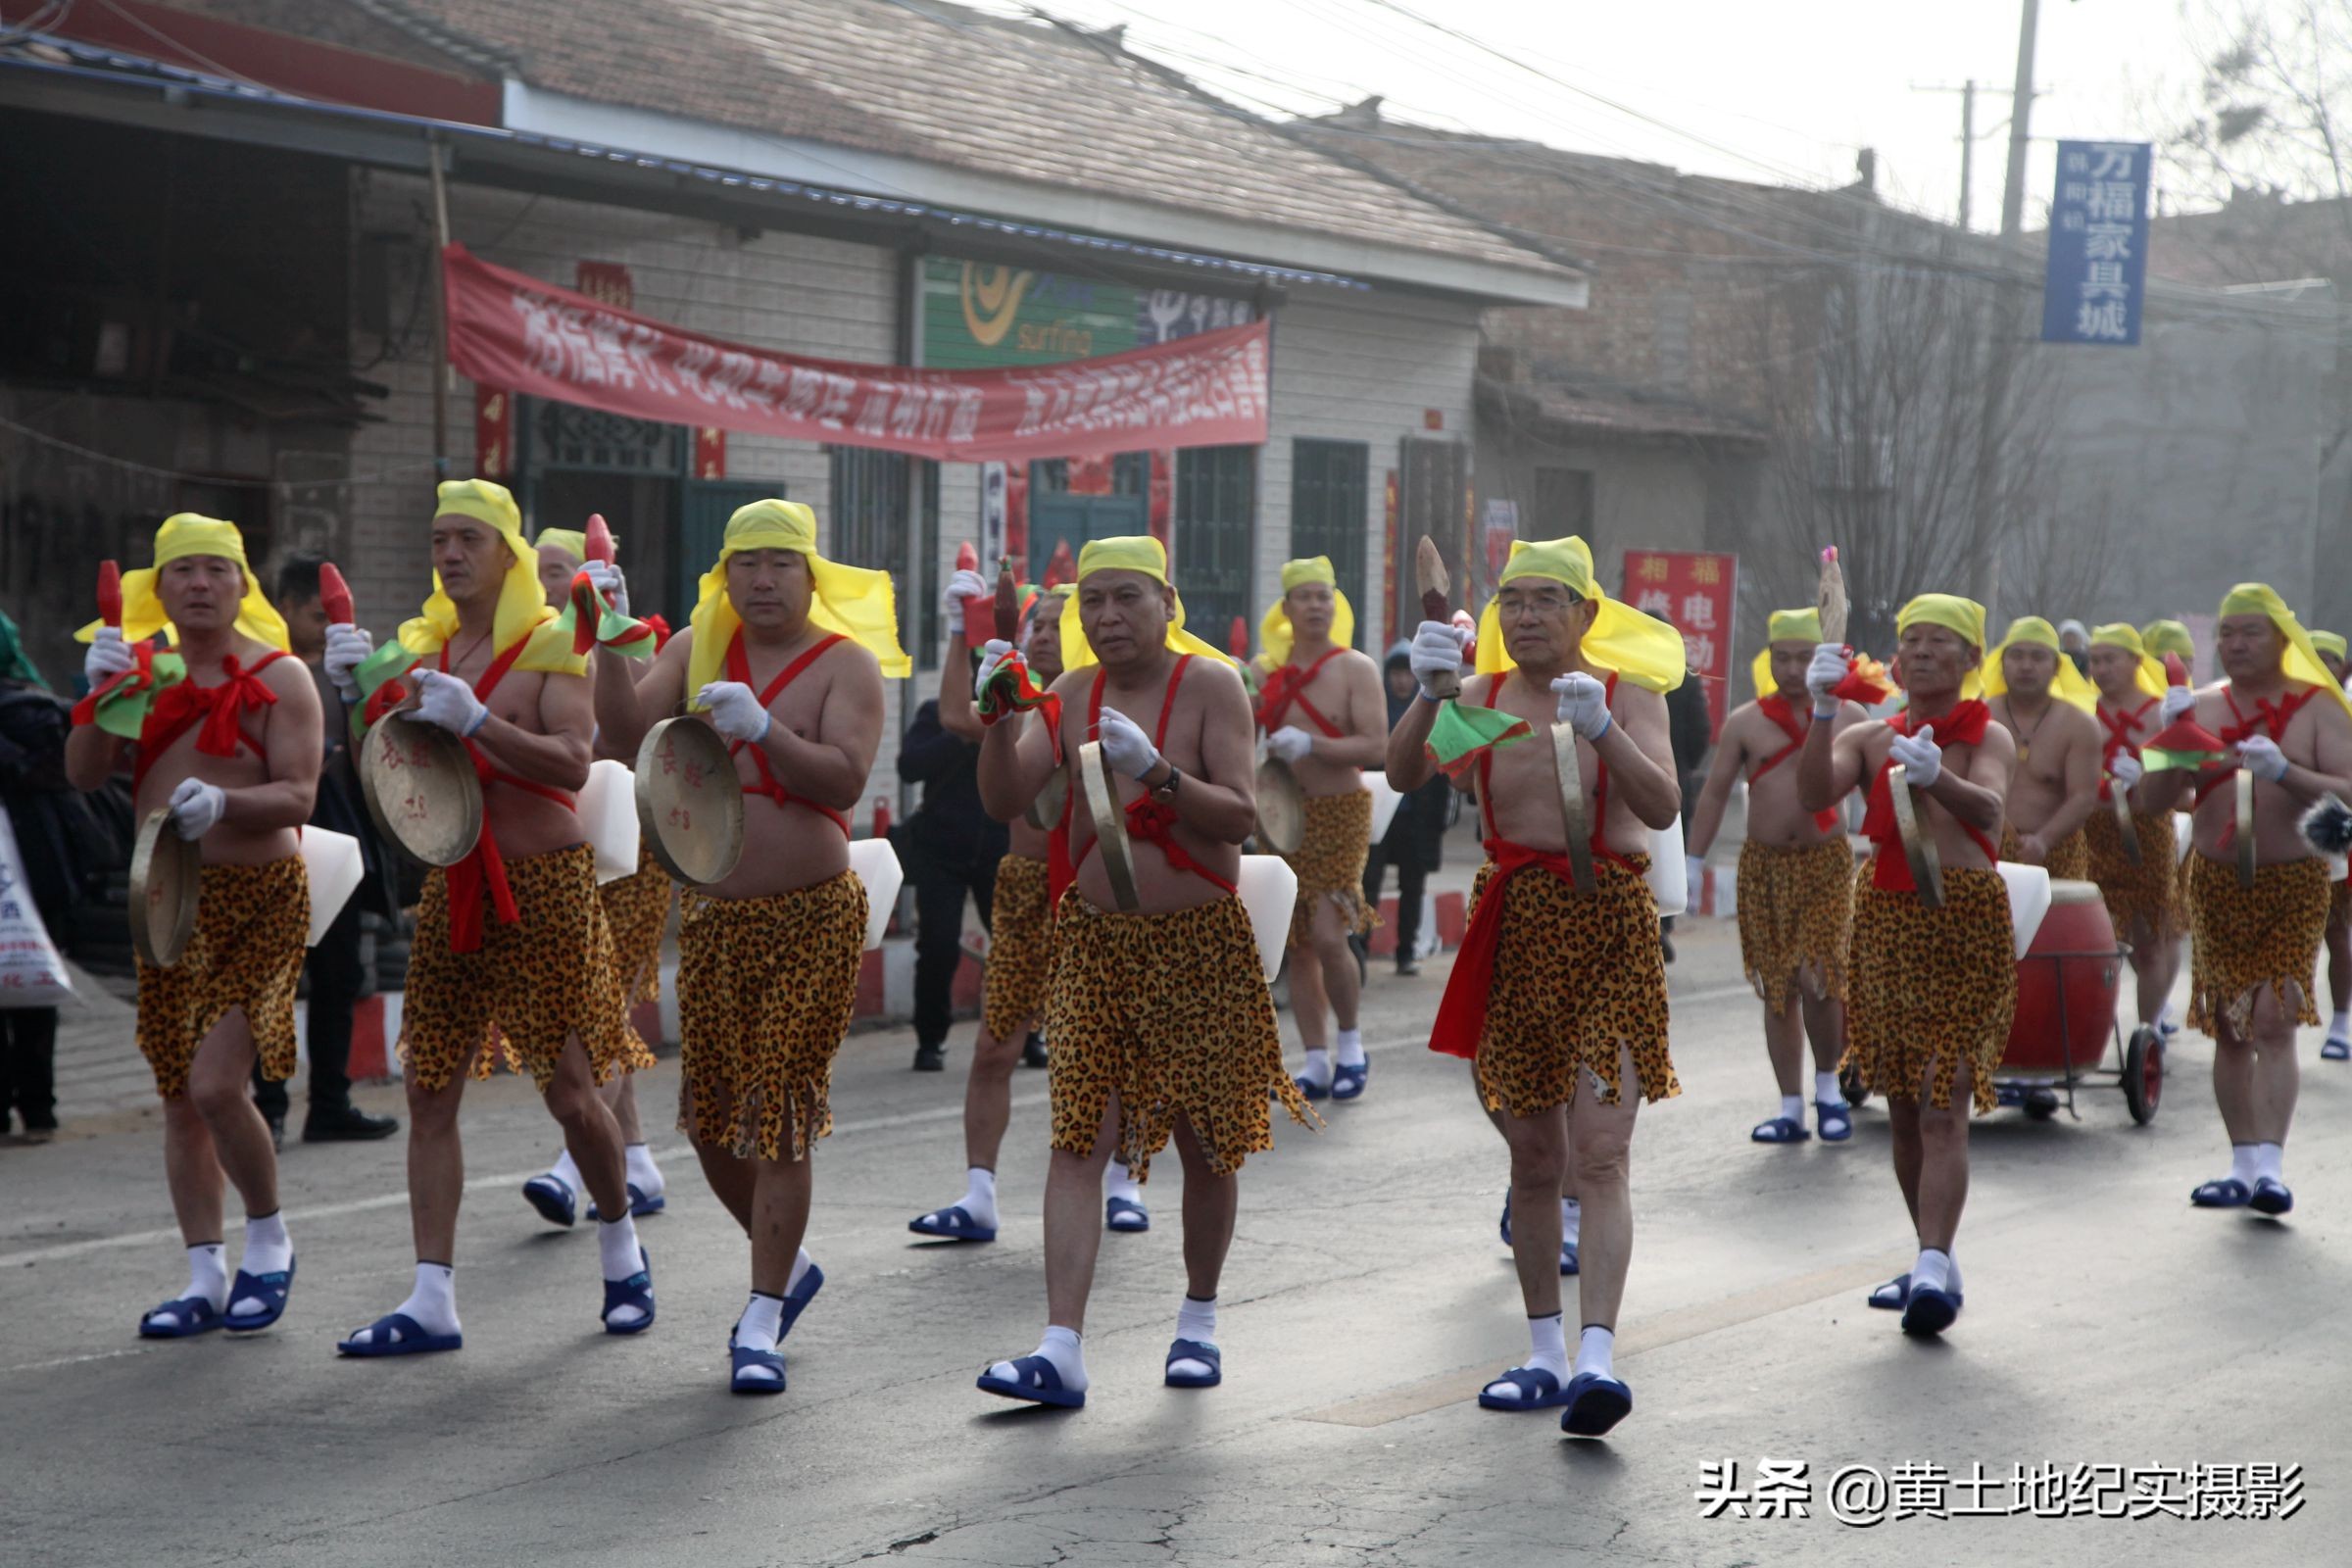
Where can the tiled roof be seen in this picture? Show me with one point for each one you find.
(1612, 413)
(933, 81)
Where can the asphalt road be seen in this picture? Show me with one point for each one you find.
(2108, 1325)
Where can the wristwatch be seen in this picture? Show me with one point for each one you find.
(1165, 789)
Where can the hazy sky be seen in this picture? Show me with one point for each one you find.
(1776, 90)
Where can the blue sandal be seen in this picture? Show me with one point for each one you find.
(1929, 1311)
(1312, 1089)
(1125, 1215)
(193, 1313)
(270, 1287)
(1194, 1350)
(552, 1195)
(636, 1291)
(412, 1340)
(2227, 1193)
(1568, 1263)
(1507, 1216)
(2270, 1197)
(1890, 1296)
(1541, 1390)
(1779, 1130)
(1035, 1380)
(640, 1205)
(796, 1300)
(1348, 1083)
(953, 1225)
(1836, 1121)
(2337, 1049)
(1596, 1403)
(751, 1360)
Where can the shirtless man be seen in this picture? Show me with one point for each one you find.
(1324, 716)
(2045, 704)
(786, 652)
(1559, 996)
(2330, 645)
(2142, 896)
(1159, 1018)
(636, 910)
(1797, 882)
(511, 941)
(228, 742)
(2253, 948)
(1930, 986)
(1020, 934)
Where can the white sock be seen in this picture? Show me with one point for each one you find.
(2270, 1161)
(433, 1304)
(1826, 1090)
(756, 1329)
(1123, 1184)
(1792, 1106)
(1572, 1220)
(2243, 1162)
(1933, 1272)
(1059, 1346)
(980, 1196)
(642, 1171)
(568, 1172)
(2165, 1016)
(1594, 1350)
(802, 1263)
(208, 1279)
(1317, 1070)
(1352, 1047)
(2339, 1027)
(616, 1242)
(267, 1251)
(1547, 1351)
(1195, 1320)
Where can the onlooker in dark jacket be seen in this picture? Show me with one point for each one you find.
(1416, 838)
(950, 847)
(42, 811)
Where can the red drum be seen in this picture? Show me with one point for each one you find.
(2066, 986)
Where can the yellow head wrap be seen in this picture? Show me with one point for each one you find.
(571, 541)
(857, 601)
(184, 533)
(2161, 637)
(2327, 642)
(1954, 614)
(1639, 648)
(1131, 553)
(1274, 632)
(1783, 626)
(2148, 677)
(2068, 685)
(2301, 661)
(522, 612)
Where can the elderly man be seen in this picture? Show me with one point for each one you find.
(2253, 941)
(1797, 882)
(223, 730)
(1559, 993)
(1322, 713)
(512, 945)
(2036, 693)
(2142, 895)
(1934, 982)
(1159, 1016)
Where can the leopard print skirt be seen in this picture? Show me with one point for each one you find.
(1929, 988)
(1329, 863)
(246, 951)
(766, 988)
(1580, 979)
(1020, 949)
(527, 990)
(1170, 1012)
(637, 909)
(1796, 912)
(2070, 856)
(2146, 895)
(2244, 939)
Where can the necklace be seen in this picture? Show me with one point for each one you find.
(477, 643)
(2025, 742)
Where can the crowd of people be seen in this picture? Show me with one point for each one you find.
(1130, 964)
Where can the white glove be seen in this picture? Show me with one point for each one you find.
(610, 582)
(109, 657)
(1584, 703)
(1822, 676)
(1125, 745)
(993, 655)
(197, 807)
(1921, 757)
(2260, 756)
(735, 712)
(347, 647)
(1436, 650)
(2178, 700)
(2126, 770)
(447, 700)
(1290, 743)
(961, 587)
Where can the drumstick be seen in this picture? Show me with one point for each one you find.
(599, 539)
(334, 596)
(1430, 568)
(967, 556)
(109, 594)
(1829, 600)
(1009, 601)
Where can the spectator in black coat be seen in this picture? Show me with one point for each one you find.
(1691, 731)
(1416, 838)
(950, 847)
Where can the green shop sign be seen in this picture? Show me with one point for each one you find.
(976, 315)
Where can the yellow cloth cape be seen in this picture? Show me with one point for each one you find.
(2161, 637)
(2301, 661)
(856, 602)
(522, 608)
(2327, 642)
(184, 533)
(1128, 553)
(2069, 685)
(1274, 631)
(1783, 626)
(1640, 648)
(2148, 676)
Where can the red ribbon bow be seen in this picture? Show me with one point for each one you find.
(221, 707)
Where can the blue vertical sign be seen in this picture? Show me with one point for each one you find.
(2098, 244)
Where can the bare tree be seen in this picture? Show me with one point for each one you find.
(2270, 110)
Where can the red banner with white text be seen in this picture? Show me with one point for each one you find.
(1696, 593)
(517, 333)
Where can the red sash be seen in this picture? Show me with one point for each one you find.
(2118, 726)
(1964, 725)
(1462, 1013)
(1288, 685)
(483, 867)
(1149, 817)
(1775, 706)
(739, 667)
(1601, 784)
(219, 710)
(2270, 718)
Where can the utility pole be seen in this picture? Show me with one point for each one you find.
(1968, 141)
(2021, 111)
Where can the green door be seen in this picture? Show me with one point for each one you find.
(710, 503)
